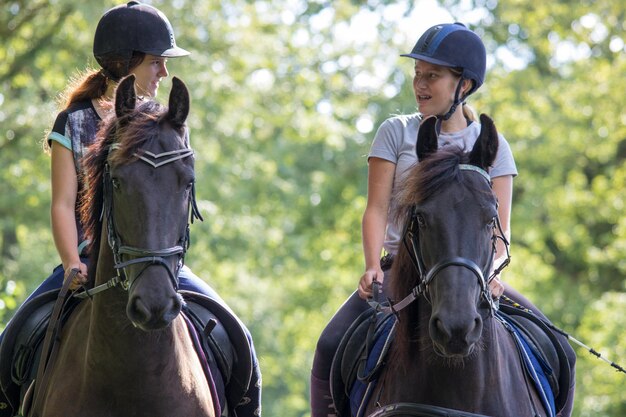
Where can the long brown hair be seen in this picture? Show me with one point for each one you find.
(91, 83)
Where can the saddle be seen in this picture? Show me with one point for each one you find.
(354, 371)
(221, 340)
(354, 367)
(546, 348)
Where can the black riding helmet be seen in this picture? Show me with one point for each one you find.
(453, 45)
(134, 27)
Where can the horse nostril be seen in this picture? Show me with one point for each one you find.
(439, 328)
(137, 311)
(477, 331)
(174, 309)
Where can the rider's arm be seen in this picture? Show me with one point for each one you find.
(62, 210)
(379, 185)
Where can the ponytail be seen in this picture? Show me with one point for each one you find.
(469, 113)
(88, 85)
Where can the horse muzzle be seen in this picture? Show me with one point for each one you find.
(455, 338)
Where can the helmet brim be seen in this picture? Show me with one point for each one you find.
(428, 59)
(169, 53)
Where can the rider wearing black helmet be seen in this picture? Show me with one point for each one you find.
(130, 38)
(129, 30)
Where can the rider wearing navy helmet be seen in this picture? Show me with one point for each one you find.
(450, 63)
(453, 46)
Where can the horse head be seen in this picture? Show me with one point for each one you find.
(452, 216)
(148, 194)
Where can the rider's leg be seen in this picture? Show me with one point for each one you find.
(322, 404)
(321, 400)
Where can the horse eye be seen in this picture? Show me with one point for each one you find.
(421, 222)
(116, 183)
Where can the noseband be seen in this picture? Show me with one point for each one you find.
(410, 239)
(147, 257)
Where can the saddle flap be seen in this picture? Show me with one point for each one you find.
(351, 362)
(355, 335)
(227, 341)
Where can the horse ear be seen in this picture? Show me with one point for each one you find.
(486, 147)
(427, 138)
(179, 103)
(125, 96)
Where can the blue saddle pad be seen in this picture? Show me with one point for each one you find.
(536, 367)
(362, 388)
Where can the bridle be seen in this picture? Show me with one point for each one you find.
(147, 257)
(411, 241)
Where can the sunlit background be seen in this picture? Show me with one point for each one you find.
(286, 98)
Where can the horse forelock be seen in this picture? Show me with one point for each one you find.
(427, 178)
(136, 129)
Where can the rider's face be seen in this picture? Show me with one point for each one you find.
(148, 74)
(434, 87)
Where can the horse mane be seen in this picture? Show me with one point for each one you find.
(424, 179)
(129, 133)
(421, 182)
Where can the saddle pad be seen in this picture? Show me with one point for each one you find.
(536, 368)
(369, 364)
(539, 335)
(226, 343)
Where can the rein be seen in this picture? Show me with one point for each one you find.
(141, 255)
(410, 239)
(420, 410)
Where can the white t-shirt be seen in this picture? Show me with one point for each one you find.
(395, 142)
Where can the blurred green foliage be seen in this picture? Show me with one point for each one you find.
(286, 97)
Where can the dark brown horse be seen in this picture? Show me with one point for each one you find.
(126, 350)
(450, 352)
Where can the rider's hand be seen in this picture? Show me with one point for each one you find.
(80, 278)
(365, 283)
(496, 287)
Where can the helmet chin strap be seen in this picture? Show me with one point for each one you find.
(457, 100)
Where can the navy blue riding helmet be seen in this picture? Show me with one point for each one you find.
(453, 45)
(132, 27)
